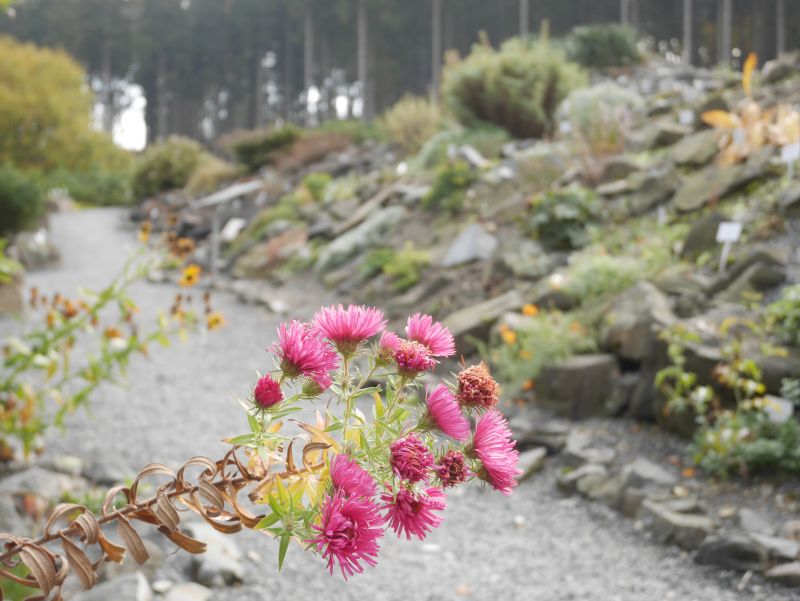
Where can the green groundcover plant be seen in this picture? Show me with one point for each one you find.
(380, 455)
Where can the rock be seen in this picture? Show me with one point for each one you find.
(651, 189)
(232, 228)
(42, 483)
(787, 573)
(790, 529)
(733, 552)
(618, 168)
(702, 236)
(472, 156)
(645, 474)
(757, 272)
(621, 395)
(668, 133)
(475, 321)
(35, 250)
(366, 234)
(551, 435)
(108, 470)
(778, 69)
(789, 200)
(189, 591)
(130, 587)
(472, 244)
(579, 450)
(778, 549)
(531, 462)
(263, 258)
(696, 149)
(753, 522)
(583, 480)
(162, 587)
(67, 464)
(526, 259)
(578, 386)
(688, 531)
(112, 571)
(220, 564)
(10, 518)
(632, 321)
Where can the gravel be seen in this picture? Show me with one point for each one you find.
(534, 545)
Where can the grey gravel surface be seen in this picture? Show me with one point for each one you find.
(535, 545)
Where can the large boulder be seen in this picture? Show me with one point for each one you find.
(688, 531)
(474, 243)
(702, 236)
(697, 149)
(757, 271)
(651, 188)
(632, 321)
(475, 321)
(733, 552)
(579, 386)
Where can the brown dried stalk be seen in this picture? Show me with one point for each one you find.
(216, 487)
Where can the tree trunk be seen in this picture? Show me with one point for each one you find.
(108, 94)
(367, 90)
(780, 23)
(724, 16)
(162, 110)
(308, 47)
(624, 12)
(436, 48)
(524, 18)
(688, 46)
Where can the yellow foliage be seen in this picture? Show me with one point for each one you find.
(747, 73)
(45, 121)
(410, 122)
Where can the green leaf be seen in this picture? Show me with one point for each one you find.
(284, 546)
(268, 521)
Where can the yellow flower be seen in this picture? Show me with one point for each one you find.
(191, 275)
(509, 336)
(214, 320)
(530, 310)
(144, 231)
(523, 354)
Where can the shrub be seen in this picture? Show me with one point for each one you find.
(256, 149)
(487, 139)
(449, 186)
(45, 122)
(601, 115)
(8, 267)
(593, 276)
(316, 184)
(100, 187)
(411, 122)
(402, 267)
(602, 46)
(783, 315)
(518, 88)
(560, 218)
(21, 200)
(355, 130)
(518, 355)
(166, 166)
(210, 175)
(309, 148)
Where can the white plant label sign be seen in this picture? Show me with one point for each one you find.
(728, 232)
(790, 153)
(686, 117)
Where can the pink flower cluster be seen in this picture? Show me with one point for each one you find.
(402, 485)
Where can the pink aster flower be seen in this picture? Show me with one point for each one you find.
(303, 354)
(452, 469)
(412, 358)
(389, 342)
(412, 512)
(444, 413)
(494, 447)
(348, 328)
(350, 478)
(421, 328)
(411, 459)
(348, 533)
(267, 392)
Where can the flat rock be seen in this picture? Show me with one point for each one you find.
(752, 521)
(552, 435)
(696, 149)
(578, 386)
(42, 483)
(189, 591)
(787, 573)
(702, 236)
(733, 552)
(643, 473)
(688, 531)
(583, 480)
(476, 320)
(778, 549)
(130, 587)
(531, 461)
(472, 244)
(220, 564)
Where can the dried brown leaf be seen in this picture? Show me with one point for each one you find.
(165, 513)
(88, 527)
(210, 493)
(114, 552)
(132, 540)
(187, 543)
(41, 566)
(79, 563)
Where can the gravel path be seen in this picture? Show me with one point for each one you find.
(533, 546)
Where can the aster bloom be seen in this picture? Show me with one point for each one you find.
(411, 459)
(389, 342)
(494, 447)
(303, 353)
(348, 533)
(348, 328)
(477, 388)
(444, 413)
(421, 328)
(452, 469)
(267, 392)
(412, 358)
(409, 512)
(351, 479)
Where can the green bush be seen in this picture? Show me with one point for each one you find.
(518, 87)
(210, 175)
(166, 166)
(316, 184)
(449, 186)
(561, 218)
(594, 276)
(486, 139)
(94, 187)
(783, 316)
(21, 200)
(8, 267)
(602, 46)
(601, 115)
(411, 122)
(256, 149)
(402, 267)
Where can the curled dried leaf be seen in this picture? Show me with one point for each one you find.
(79, 563)
(132, 540)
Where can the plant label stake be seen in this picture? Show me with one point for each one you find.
(686, 117)
(789, 155)
(728, 232)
